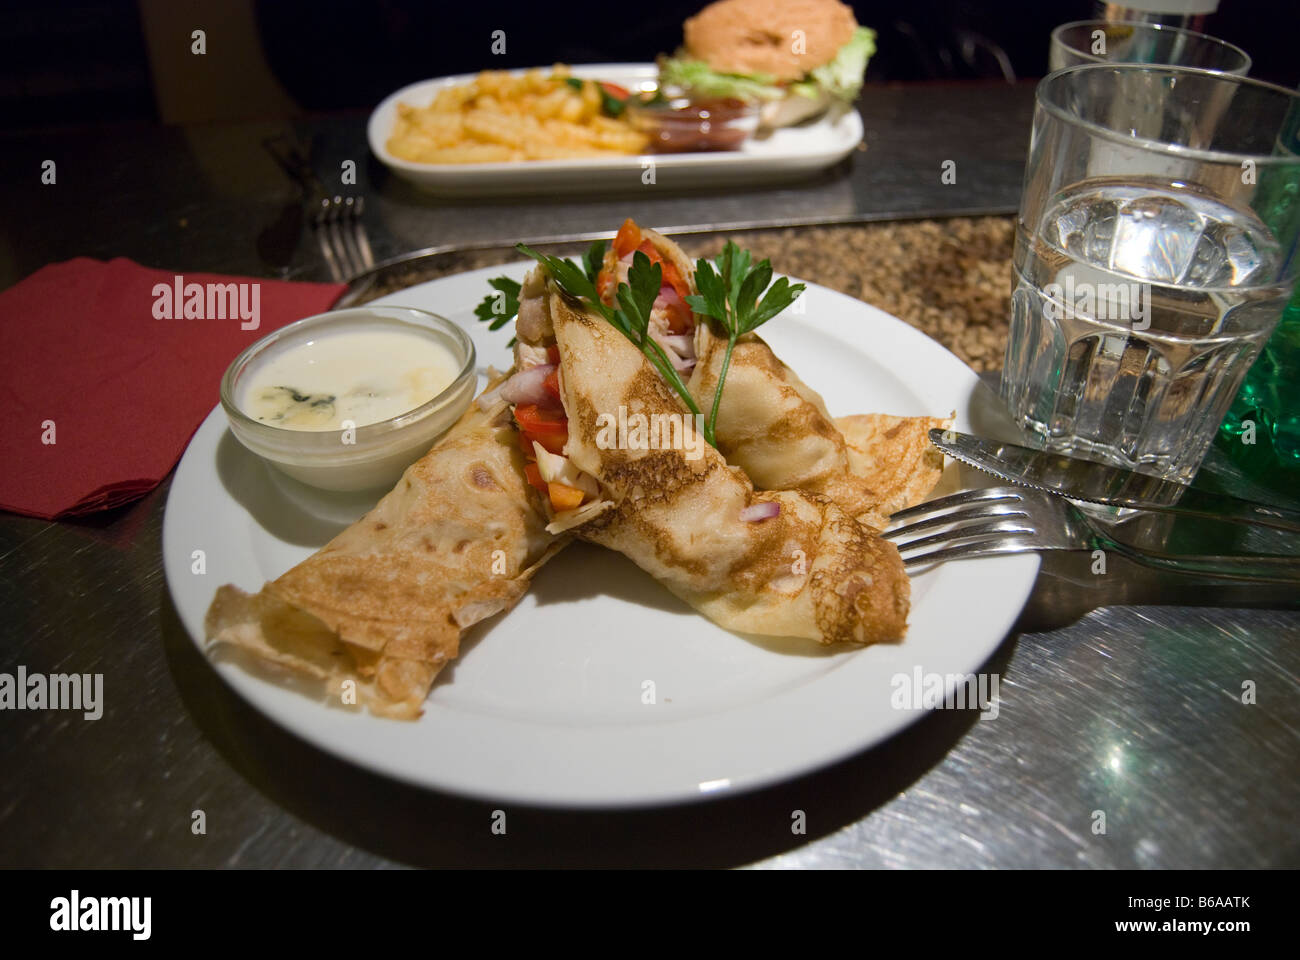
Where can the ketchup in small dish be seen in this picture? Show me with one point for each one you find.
(685, 124)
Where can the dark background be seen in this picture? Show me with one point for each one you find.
(74, 63)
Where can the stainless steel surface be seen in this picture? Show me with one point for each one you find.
(1096, 482)
(992, 521)
(206, 191)
(1134, 710)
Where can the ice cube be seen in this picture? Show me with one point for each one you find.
(1155, 238)
(1209, 266)
(1099, 234)
(1241, 255)
(1070, 223)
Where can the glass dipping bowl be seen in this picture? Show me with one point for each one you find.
(379, 452)
(677, 124)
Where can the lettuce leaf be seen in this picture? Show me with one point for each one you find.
(699, 77)
(842, 77)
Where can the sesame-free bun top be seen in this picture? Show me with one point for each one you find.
(758, 36)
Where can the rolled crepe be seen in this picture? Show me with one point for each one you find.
(777, 429)
(809, 571)
(384, 603)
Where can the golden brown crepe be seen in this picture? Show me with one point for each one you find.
(384, 603)
(895, 458)
(777, 429)
(810, 571)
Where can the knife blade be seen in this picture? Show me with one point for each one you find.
(1087, 480)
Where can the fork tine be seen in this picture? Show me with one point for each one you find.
(342, 237)
(997, 546)
(321, 228)
(347, 235)
(978, 511)
(968, 532)
(334, 229)
(981, 495)
(359, 236)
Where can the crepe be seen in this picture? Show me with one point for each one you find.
(777, 429)
(810, 571)
(895, 459)
(384, 603)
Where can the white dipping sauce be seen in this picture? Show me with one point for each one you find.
(364, 376)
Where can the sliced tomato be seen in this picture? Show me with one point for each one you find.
(615, 91)
(551, 442)
(648, 248)
(552, 383)
(673, 277)
(563, 496)
(629, 235)
(538, 421)
(678, 313)
(534, 475)
(553, 354)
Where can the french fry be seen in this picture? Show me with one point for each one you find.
(499, 117)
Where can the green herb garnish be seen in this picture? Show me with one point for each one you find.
(731, 296)
(631, 317)
(609, 103)
(594, 259)
(499, 308)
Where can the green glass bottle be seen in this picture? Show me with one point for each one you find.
(1270, 401)
(1261, 432)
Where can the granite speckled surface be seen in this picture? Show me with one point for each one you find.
(950, 278)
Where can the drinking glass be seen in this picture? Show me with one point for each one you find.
(1155, 250)
(1101, 41)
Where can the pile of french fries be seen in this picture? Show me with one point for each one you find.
(501, 117)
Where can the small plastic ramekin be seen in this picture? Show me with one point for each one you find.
(377, 452)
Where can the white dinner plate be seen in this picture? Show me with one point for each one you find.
(784, 154)
(548, 702)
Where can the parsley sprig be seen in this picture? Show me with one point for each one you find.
(631, 317)
(730, 295)
(498, 309)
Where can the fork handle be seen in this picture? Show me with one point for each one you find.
(1254, 568)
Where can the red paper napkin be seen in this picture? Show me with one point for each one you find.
(107, 375)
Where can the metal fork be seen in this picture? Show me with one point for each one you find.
(342, 237)
(1002, 520)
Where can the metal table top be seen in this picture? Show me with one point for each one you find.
(1119, 694)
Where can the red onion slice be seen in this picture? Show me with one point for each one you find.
(667, 295)
(674, 357)
(760, 511)
(526, 386)
(683, 344)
